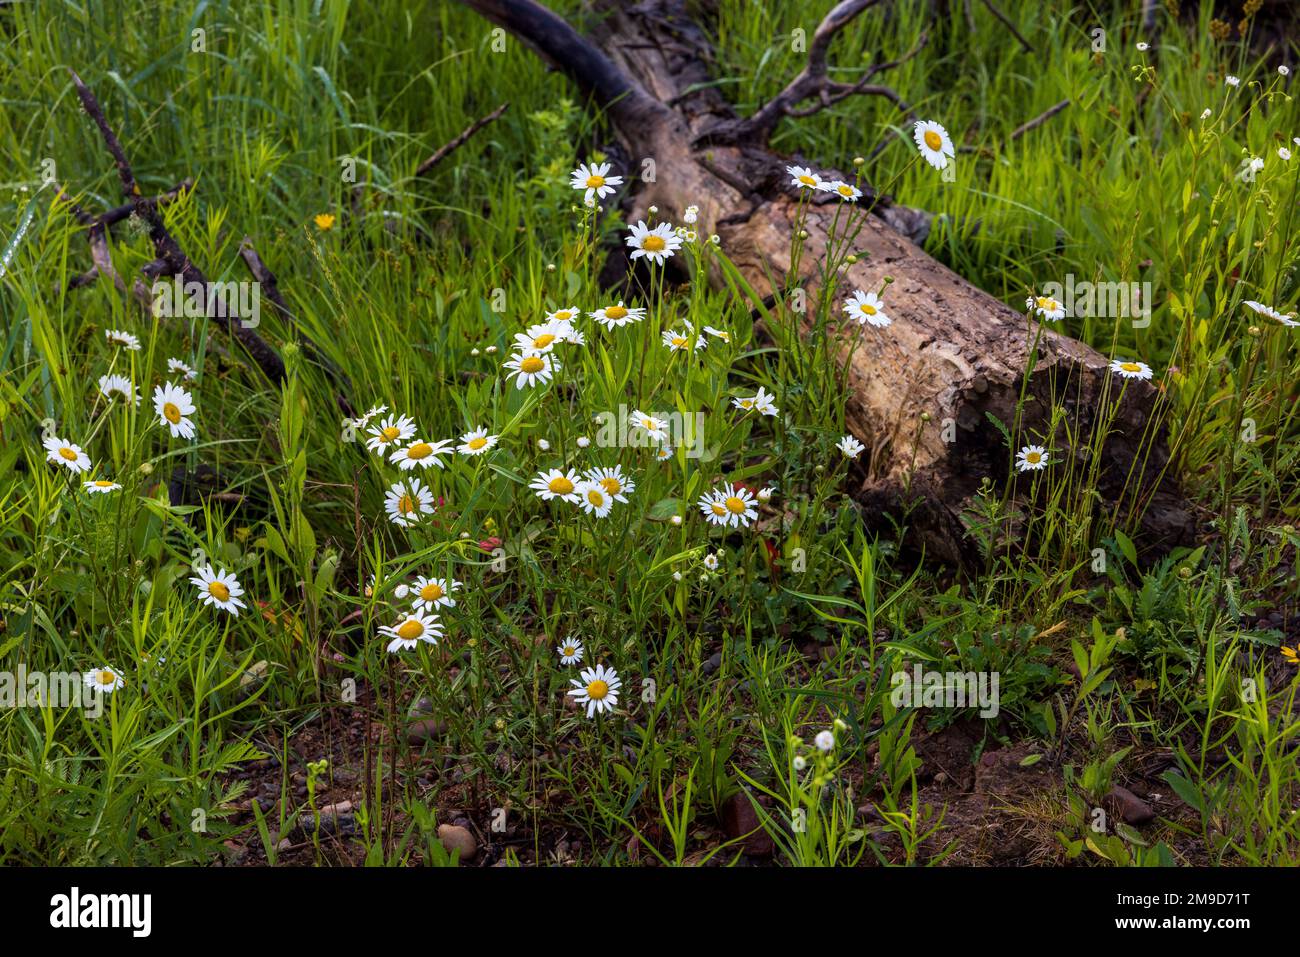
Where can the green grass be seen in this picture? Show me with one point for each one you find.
(417, 292)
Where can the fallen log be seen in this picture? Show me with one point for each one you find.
(920, 392)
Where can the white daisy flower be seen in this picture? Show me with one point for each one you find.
(583, 442)
(174, 407)
(653, 426)
(543, 445)
(933, 142)
(595, 181)
(679, 341)
(557, 484)
(691, 214)
(711, 561)
(218, 588)
(1205, 113)
(100, 487)
(411, 630)
(593, 499)
(570, 651)
(1283, 70)
(613, 481)
(575, 337)
(176, 365)
(70, 456)
(121, 338)
(1283, 153)
(119, 384)
(845, 191)
(476, 442)
(1143, 47)
(731, 505)
(762, 401)
(867, 307)
(529, 368)
(664, 453)
(597, 689)
(850, 446)
(1031, 458)
(540, 339)
(765, 494)
(1232, 80)
(406, 501)
(433, 592)
(825, 741)
(803, 177)
(656, 243)
(390, 431)
(611, 317)
(103, 680)
(420, 454)
(722, 334)
(1131, 369)
(1046, 307)
(1271, 313)
(566, 316)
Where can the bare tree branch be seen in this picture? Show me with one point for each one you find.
(451, 146)
(170, 254)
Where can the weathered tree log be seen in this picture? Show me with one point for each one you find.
(952, 351)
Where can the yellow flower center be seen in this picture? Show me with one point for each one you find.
(615, 312)
(431, 591)
(595, 182)
(1048, 304)
(560, 485)
(653, 243)
(564, 315)
(597, 690)
(390, 433)
(933, 139)
(544, 340)
(846, 190)
(1033, 458)
(106, 677)
(410, 629)
(648, 424)
(219, 591)
(1130, 367)
(735, 504)
(171, 413)
(595, 497)
(406, 505)
(718, 508)
(679, 341)
(420, 450)
(611, 485)
(808, 180)
(868, 309)
(532, 364)
(569, 651)
(68, 454)
(102, 484)
(477, 442)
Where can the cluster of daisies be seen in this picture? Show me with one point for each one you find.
(420, 623)
(172, 403)
(594, 491)
(596, 688)
(396, 439)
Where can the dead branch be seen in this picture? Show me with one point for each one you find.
(1006, 21)
(169, 252)
(814, 83)
(442, 152)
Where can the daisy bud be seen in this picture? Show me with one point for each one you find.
(146, 468)
(888, 280)
(803, 234)
(550, 267)
(464, 534)
(859, 161)
(676, 520)
(1185, 572)
(851, 258)
(475, 352)
(499, 724)
(799, 762)
(925, 416)
(401, 591)
(543, 445)
(714, 239)
(677, 576)
(583, 441)
(653, 210)
(491, 350)
(1254, 331)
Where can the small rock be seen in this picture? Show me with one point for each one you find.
(1130, 808)
(422, 731)
(713, 663)
(457, 838)
(740, 820)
